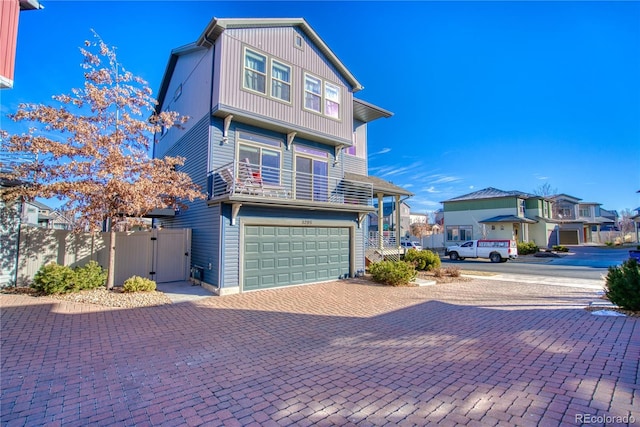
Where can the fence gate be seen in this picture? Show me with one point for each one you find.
(172, 255)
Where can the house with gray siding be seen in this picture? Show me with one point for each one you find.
(492, 213)
(581, 222)
(279, 142)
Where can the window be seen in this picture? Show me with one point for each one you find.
(585, 212)
(255, 68)
(263, 153)
(545, 209)
(325, 101)
(459, 232)
(332, 100)
(312, 93)
(280, 81)
(312, 170)
(298, 41)
(564, 213)
(520, 206)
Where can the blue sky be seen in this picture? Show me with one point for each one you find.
(510, 95)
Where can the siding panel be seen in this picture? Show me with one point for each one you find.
(202, 219)
(278, 44)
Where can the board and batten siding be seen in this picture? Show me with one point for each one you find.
(204, 220)
(278, 43)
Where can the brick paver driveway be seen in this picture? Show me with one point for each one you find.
(343, 353)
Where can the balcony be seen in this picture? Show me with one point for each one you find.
(253, 184)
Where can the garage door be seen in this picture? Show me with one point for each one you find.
(282, 256)
(568, 237)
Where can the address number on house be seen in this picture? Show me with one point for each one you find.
(307, 222)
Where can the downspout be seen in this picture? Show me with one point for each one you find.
(218, 284)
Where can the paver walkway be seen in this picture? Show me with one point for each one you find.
(343, 353)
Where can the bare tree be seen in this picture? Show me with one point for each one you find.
(92, 149)
(545, 190)
(420, 229)
(626, 223)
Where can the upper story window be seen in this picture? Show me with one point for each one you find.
(584, 212)
(257, 74)
(312, 93)
(332, 100)
(564, 213)
(255, 71)
(545, 209)
(520, 206)
(280, 81)
(322, 97)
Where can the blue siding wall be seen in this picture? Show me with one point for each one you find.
(231, 234)
(202, 219)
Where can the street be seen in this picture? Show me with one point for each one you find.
(581, 262)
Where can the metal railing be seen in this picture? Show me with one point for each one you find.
(383, 247)
(255, 181)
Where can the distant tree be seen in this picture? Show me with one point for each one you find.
(420, 229)
(545, 190)
(92, 149)
(626, 223)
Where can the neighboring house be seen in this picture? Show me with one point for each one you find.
(41, 215)
(418, 218)
(581, 222)
(10, 214)
(496, 214)
(9, 17)
(390, 218)
(279, 142)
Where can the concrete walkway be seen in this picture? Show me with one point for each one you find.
(183, 291)
(476, 353)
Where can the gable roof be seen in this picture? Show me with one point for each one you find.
(217, 26)
(490, 193)
(362, 110)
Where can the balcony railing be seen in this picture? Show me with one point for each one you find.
(242, 180)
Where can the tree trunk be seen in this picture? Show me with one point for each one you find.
(112, 257)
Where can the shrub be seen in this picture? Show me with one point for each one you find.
(453, 271)
(57, 279)
(91, 276)
(526, 248)
(560, 248)
(623, 285)
(446, 271)
(53, 278)
(393, 273)
(423, 260)
(139, 284)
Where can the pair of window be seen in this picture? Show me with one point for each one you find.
(459, 233)
(257, 75)
(262, 74)
(264, 155)
(321, 96)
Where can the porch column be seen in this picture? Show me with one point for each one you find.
(380, 222)
(398, 221)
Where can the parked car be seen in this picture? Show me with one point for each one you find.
(495, 250)
(410, 245)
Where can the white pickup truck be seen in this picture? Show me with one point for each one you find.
(495, 250)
